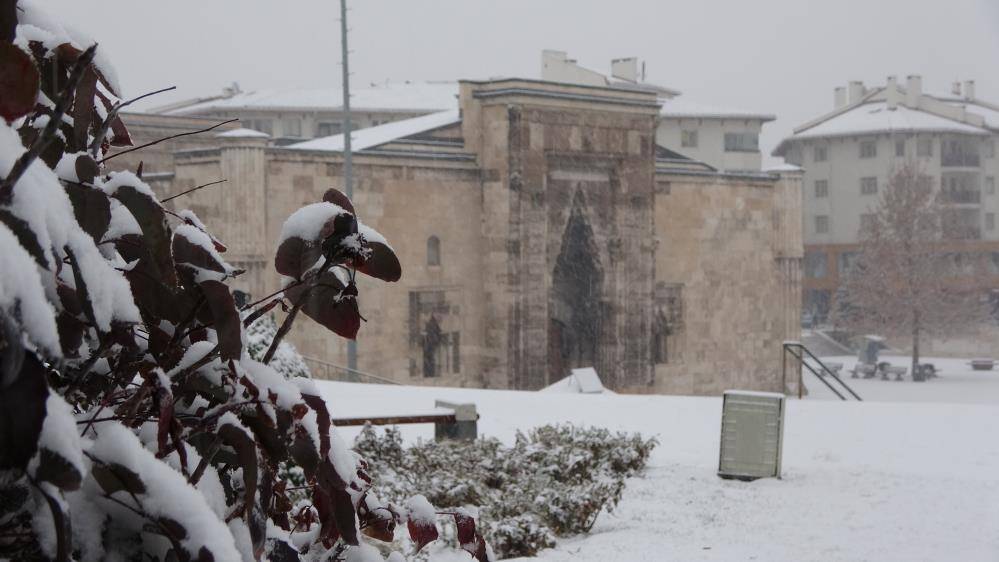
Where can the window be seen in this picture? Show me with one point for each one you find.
(667, 323)
(868, 186)
(924, 147)
(846, 262)
(867, 222)
(821, 189)
(262, 125)
(433, 251)
(688, 139)
(328, 128)
(990, 185)
(990, 221)
(821, 153)
(900, 148)
(821, 224)
(292, 127)
(742, 142)
(990, 149)
(868, 149)
(815, 265)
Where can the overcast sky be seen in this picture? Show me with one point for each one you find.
(779, 56)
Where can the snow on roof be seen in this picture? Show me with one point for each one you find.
(242, 133)
(363, 139)
(991, 115)
(679, 107)
(784, 168)
(391, 96)
(877, 118)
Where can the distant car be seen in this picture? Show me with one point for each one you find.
(807, 320)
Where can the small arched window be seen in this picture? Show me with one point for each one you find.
(433, 251)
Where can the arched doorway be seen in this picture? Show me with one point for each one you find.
(575, 320)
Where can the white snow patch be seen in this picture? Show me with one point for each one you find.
(167, 492)
(371, 137)
(307, 223)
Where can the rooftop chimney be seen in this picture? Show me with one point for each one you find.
(955, 88)
(856, 91)
(913, 90)
(891, 92)
(839, 97)
(625, 69)
(551, 64)
(969, 90)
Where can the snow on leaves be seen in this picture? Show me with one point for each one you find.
(134, 423)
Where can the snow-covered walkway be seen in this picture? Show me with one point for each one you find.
(878, 481)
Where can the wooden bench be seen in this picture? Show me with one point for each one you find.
(982, 364)
(865, 369)
(451, 420)
(899, 372)
(832, 366)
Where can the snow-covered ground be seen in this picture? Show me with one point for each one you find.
(876, 480)
(956, 382)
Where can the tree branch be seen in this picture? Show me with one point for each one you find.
(192, 190)
(178, 135)
(95, 146)
(42, 140)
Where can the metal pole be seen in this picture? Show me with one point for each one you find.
(348, 168)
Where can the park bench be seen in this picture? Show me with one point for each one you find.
(982, 364)
(865, 369)
(832, 366)
(899, 372)
(451, 420)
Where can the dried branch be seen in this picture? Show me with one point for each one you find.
(42, 141)
(95, 146)
(178, 135)
(216, 182)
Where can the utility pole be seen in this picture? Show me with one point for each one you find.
(348, 168)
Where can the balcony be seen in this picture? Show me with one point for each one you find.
(960, 196)
(960, 160)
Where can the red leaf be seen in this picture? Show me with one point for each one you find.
(227, 324)
(337, 197)
(470, 539)
(330, 303)
(83, 108)
(18, 82)
(422, 532)
(381, 264)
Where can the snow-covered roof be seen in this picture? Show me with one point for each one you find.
(362, 139)
(391, 96)
(991, 115)
(242, 133)
(784, 168)
(680, 107)
(875, 117)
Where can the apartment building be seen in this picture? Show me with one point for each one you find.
(849, 153)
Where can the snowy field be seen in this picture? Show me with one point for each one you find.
(956, 382)
(915, 480)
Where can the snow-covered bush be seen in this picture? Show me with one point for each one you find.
(134, 422)
(286, 360)
(554, 481)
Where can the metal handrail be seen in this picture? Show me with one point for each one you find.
(349, 370)
(789, 347)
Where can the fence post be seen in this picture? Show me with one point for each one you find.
(465, 426)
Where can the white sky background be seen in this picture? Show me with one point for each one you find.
(779, 56)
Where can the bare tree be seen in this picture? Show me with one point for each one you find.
(906, 280)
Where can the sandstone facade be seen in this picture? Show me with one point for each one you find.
(545, 230)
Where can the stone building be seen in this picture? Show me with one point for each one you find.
(849, 154)
(540, 228)
(722, 137)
